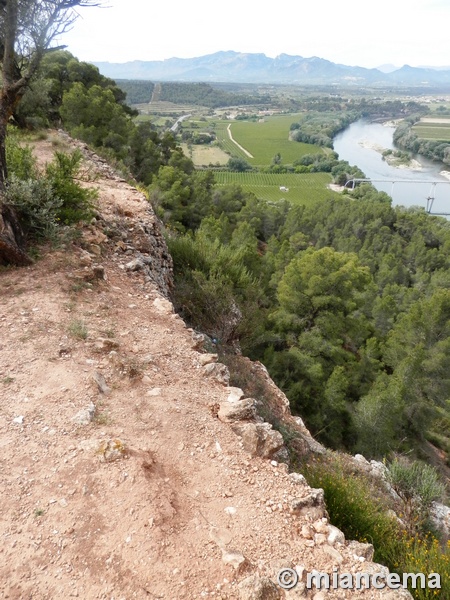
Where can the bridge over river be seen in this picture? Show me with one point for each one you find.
(430, 199)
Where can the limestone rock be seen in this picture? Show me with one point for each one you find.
(335, 535)
(440, 515)
(198, 339)
(234, 394)
(233, 558)
(258, 588)
(217, 371)
(85, 415)
(298, 478)
(307, 532)
(135, 265)
(163, 306)
(314, 498)
(360, 549)
(206, 359)
(242, 410)
(259, 439)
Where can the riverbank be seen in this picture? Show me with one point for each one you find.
(393, 159)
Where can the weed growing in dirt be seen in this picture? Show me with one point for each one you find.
(78, 329)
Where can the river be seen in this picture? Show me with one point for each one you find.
(361, 144)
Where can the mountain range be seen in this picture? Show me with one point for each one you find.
(237, 67)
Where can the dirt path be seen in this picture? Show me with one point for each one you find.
(246, 152)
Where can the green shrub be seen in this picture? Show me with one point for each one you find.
(45, 201)
(354, 508)
(362, 514)
(77, 201)
(20, 160)
(36, 205)
(214, 291)
(417, 485)
(426, 556)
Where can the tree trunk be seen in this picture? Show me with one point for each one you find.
(12, 244)
(12, 240)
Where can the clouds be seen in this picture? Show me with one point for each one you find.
(404, 31)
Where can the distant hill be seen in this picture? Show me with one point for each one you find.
(238, 67)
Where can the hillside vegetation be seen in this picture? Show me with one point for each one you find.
(345, 299)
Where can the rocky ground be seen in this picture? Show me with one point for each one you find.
(121, 472)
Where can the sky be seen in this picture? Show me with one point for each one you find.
(350, 32)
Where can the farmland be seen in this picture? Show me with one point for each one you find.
(204, 155)
(433, 129)
(305, 188)
(263, 140)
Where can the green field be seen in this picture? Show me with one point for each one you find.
(433, 129)
(263, 140)
(304, 188)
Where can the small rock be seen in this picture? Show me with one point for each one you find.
(361, 550)
(242, 410)
(320, 539)
(198, 339)
(18, 420)
(335, 535)
(259, 439)
(234, 394)
(307, 532)
(85, 415)
(259, 588)
(233, 558)
(297, 478)
(154, 392)
(111, 450)
(206, 359)
(101, 383)
(218, 371)
(320, 526)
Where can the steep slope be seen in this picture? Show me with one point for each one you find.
(117, 478)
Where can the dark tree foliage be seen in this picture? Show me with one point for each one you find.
(28, 29)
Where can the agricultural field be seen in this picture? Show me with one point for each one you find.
(305, 188)
(263, 140)
(437, 128)
(205, 155)
(165, 108)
